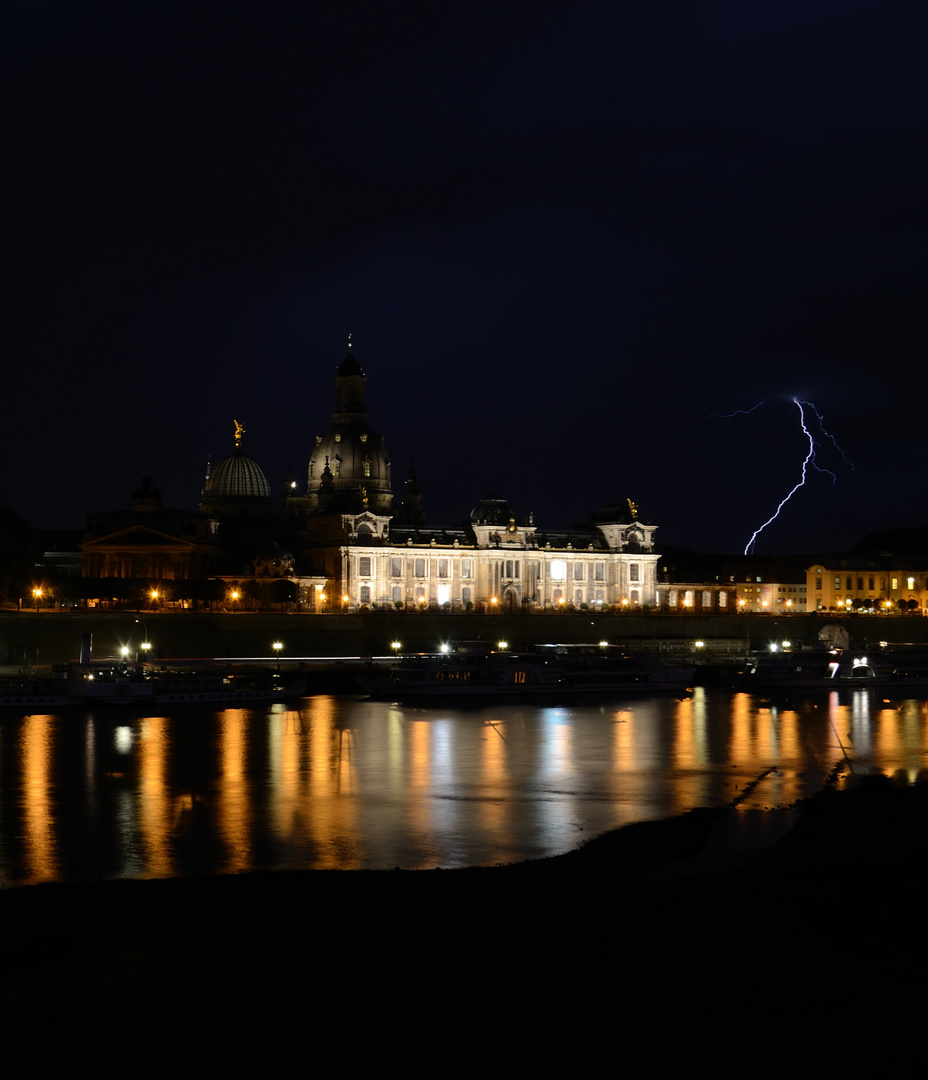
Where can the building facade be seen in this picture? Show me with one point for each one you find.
(872, 584)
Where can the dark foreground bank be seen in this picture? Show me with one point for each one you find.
(634, 951)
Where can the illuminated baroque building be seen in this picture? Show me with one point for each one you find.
(369, 555)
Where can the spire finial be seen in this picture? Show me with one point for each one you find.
(239, 432)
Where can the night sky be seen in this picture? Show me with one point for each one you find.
(566, 238)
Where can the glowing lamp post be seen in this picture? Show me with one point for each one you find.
(37, 597)
(277, 646)
(395, 646)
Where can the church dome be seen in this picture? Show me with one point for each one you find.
(236, 485)
(237, 476)
(349, 468)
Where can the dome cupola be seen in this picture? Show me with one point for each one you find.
(236, 485)
(349, 464)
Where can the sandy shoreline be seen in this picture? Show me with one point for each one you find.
(646, 935)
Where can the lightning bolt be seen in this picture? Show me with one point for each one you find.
(737, 412)
(808, 461)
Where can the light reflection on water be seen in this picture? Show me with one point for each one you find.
(343, 783)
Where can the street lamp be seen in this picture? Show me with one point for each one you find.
(37, 597)
(395, 646)
(277, 646)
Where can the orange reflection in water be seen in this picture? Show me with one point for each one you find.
(891, 733)
(284, 750)
(157, 820)
(328, 809)
(36, 747)
(493, 777)
(233, 801)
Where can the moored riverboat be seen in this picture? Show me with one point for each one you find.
(199, 688)
(545, 671)
(881, 666)
(26, 695)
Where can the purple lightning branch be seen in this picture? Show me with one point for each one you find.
(808, 460)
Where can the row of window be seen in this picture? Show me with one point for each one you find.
(871, 579)
(689, 598)
(509, 568)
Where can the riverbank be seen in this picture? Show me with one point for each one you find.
(55, 637)
(631, 950)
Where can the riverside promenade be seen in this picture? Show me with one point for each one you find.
(49, 637)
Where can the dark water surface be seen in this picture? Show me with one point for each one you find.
(343, 783)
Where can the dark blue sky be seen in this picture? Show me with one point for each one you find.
(563, 237)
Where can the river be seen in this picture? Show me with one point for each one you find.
(343, 783)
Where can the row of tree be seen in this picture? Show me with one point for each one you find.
(153, 595)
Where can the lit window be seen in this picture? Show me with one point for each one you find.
(466, 571)
(444, 594)
(558, 570)
(442, 568)
(364, 566)
(911, 581)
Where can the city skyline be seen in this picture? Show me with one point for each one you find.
(575, 249)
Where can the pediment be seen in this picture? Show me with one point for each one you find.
(138, 536)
